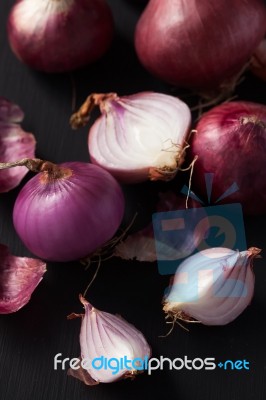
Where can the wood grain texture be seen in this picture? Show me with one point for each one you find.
(30, 338)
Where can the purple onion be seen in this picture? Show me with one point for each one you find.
(230, 142)
(66, 212)
(199, 44)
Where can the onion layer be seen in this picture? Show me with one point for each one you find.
(19, 276)
(199, 44)
(231, 143)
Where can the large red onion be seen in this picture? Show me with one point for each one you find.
(59, 35)
(231, 143)
(199, 44)
(66, 212)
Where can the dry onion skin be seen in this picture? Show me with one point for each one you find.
(19, 276)
(15, 143)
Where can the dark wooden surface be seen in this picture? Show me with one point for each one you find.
(30, 338)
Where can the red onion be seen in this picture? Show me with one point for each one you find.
(199, 44)
(19, 276)
(59, 35)
(106, 337)
(213, 286)
(66, 212)
(15, 143)
(137, 137)
(231, 143)
(258, 61)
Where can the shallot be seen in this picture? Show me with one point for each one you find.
(111, 348)
(199, 44)
(59, 35)
(67, 211)
(213, 286)
(137, 137)
(230, 143)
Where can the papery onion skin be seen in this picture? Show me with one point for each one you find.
(213, 286)
(140, 136)
(15, 143)
(141, 246)
(230, 142)
(69, 217)
(19, 276)
(199, 44)
(106, 335)
(59, 35)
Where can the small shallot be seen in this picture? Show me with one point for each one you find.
(111, 348)
(213, 286)
(137, 137)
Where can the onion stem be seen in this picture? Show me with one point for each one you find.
(52, 170)
(33, 164)
(82, 116)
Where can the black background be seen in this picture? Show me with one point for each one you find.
(30, 338)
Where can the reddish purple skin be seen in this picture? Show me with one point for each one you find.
(233, 152)
(197, 43)
(15, 144)
(19, 276)
(72, 39)
(69, 218)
